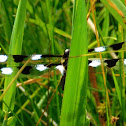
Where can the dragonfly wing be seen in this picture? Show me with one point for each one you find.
(19, 58)
(26, 70)
(111, 63)
(117, 46)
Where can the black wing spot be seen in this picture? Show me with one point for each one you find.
(111, 63)
(117, 46)
(26, 70)
(90, 50)
(19, 58)
(89, 61)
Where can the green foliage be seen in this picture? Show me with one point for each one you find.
(76, 82)
(15, 48)
(49, 27)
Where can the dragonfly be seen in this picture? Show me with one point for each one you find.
(61, 66)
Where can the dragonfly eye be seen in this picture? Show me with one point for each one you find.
(6, 70)
(67, 50)
(3, 58)
(66, 53)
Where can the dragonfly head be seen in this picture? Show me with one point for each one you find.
(66, 53)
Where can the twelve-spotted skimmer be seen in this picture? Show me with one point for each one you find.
(62, 66)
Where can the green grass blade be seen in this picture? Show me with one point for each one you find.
(117, 88)
(15, 48)
(56, 30)
(75, 94)
(5, 20)
(117, 9)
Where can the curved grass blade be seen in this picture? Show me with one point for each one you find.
(15, 49)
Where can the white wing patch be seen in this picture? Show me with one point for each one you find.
(60, 68)
(36, 57)
(95, 63)
(41, 67)
(6, 70)
(3, 58)
(100, 49)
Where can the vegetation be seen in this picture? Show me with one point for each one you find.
(49, 27)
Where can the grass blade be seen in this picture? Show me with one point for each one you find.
(5, 20)
(74, 100)
(117, 88)
(15, 48)
(117, 9)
